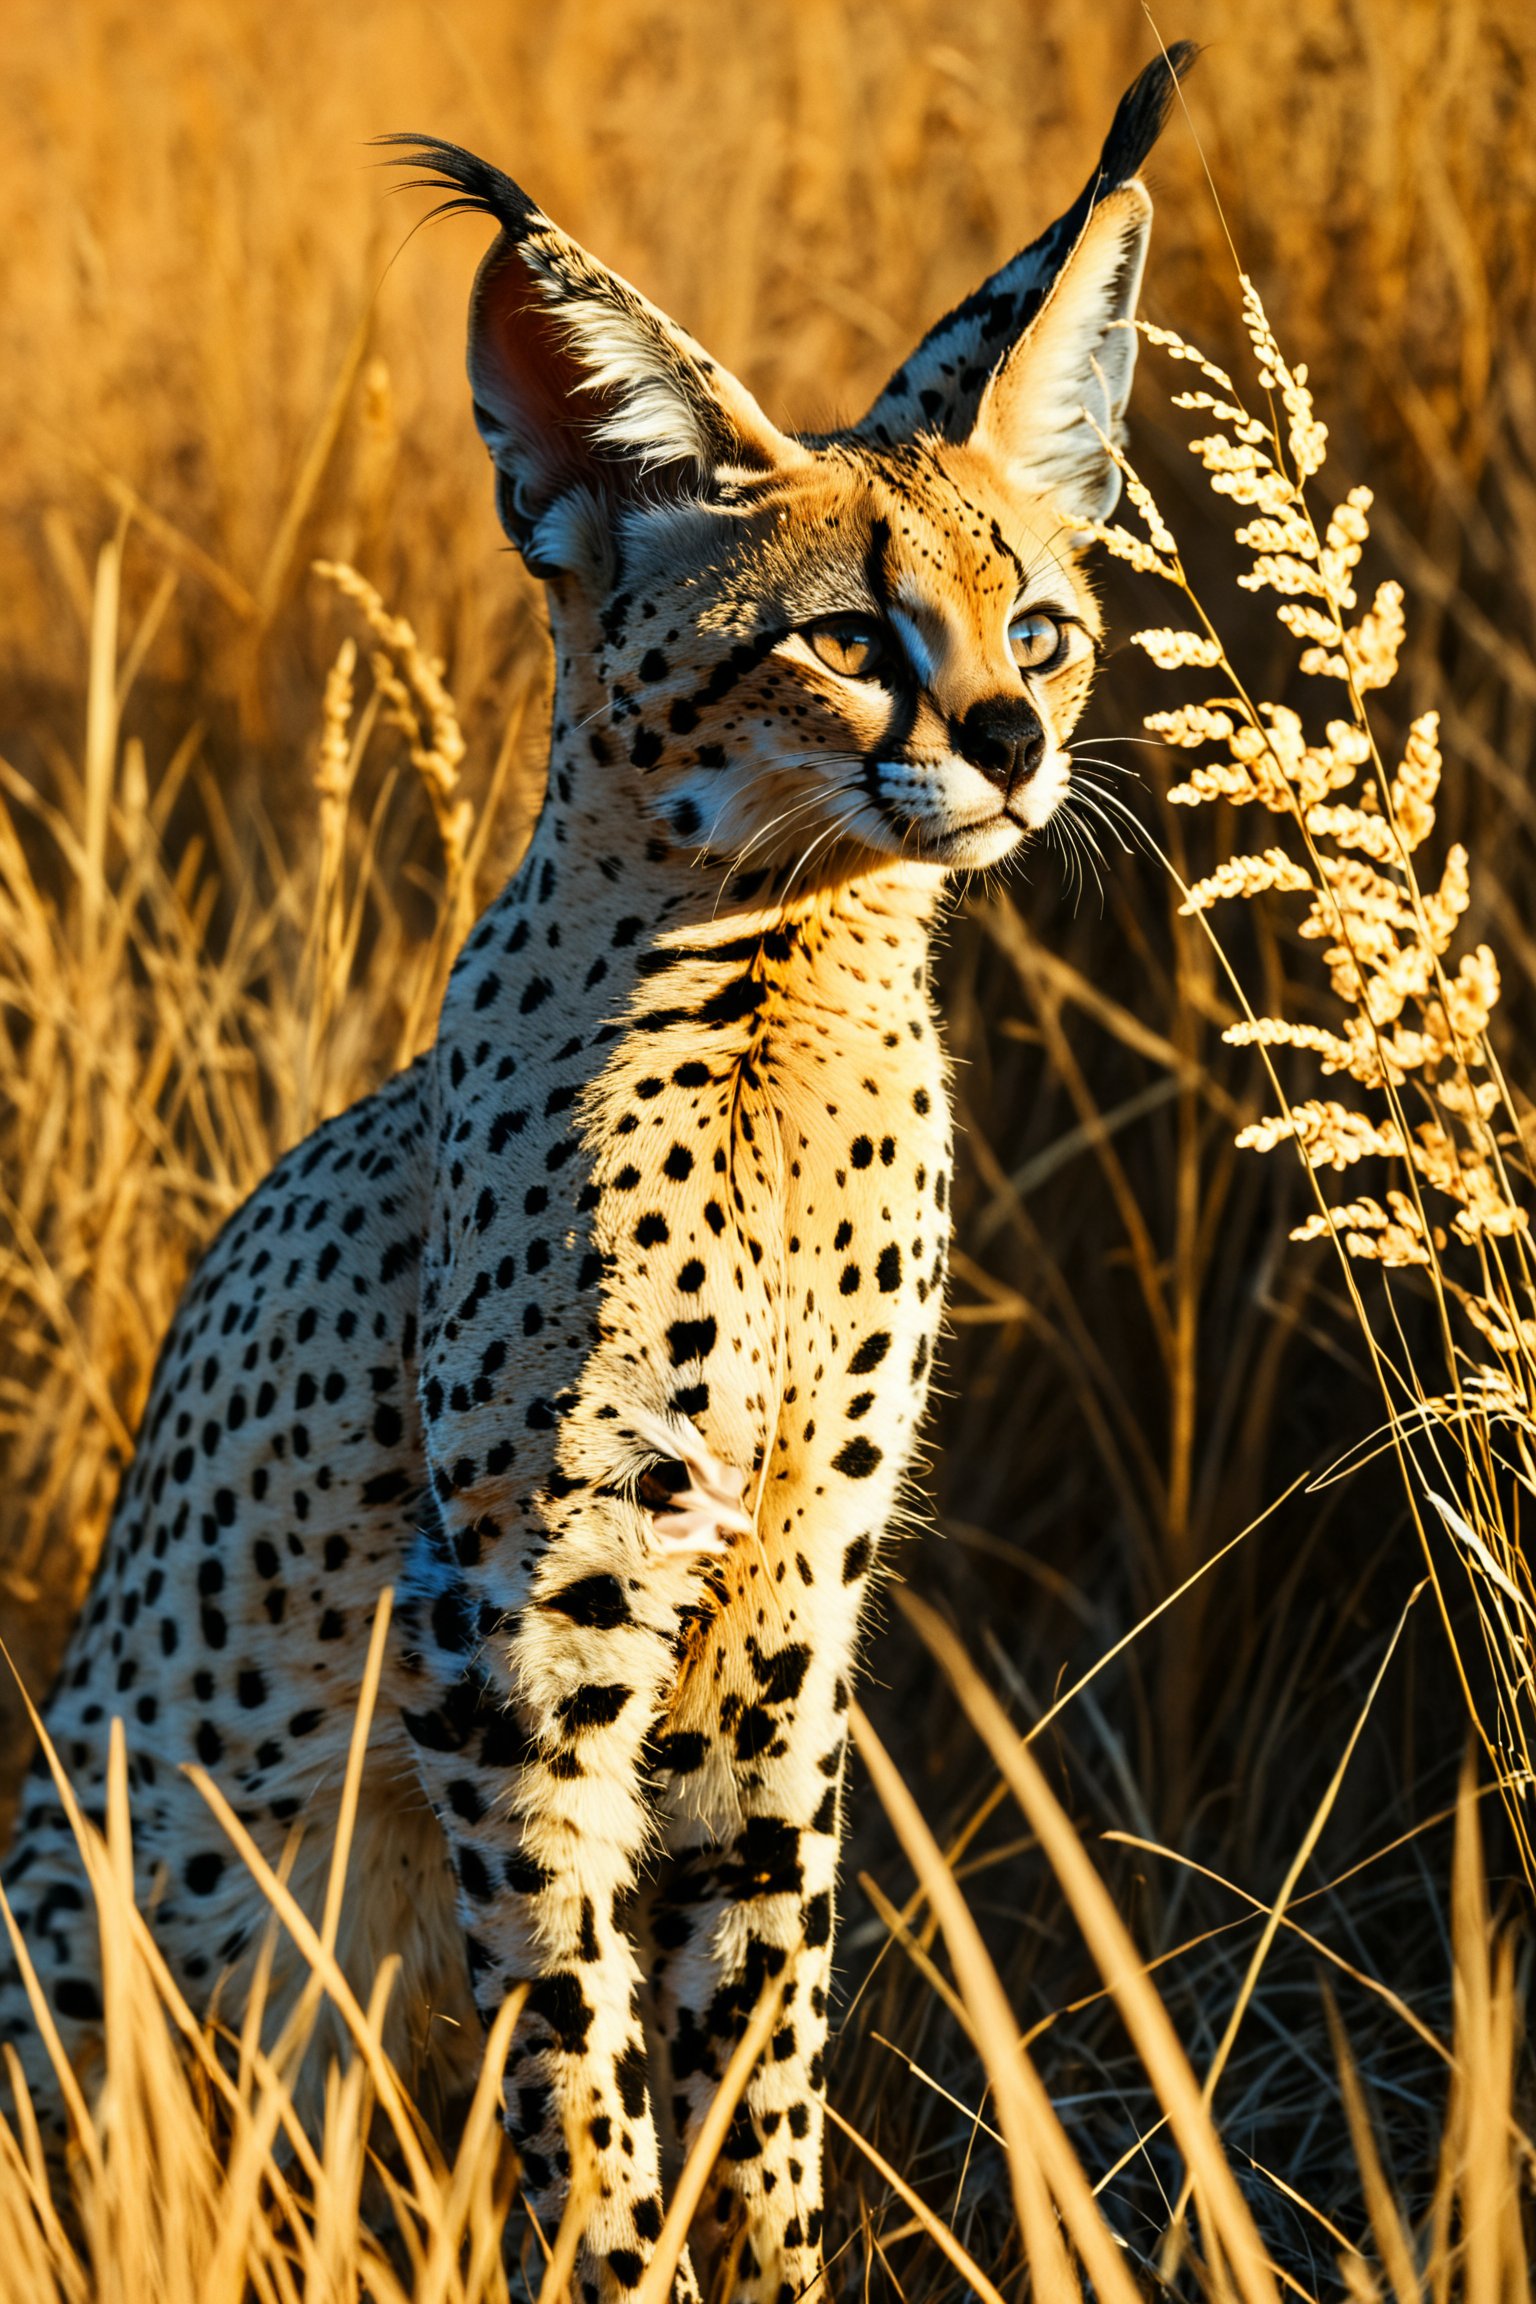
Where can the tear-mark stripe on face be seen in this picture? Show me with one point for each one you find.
(901, 718)
(876, 563)
(1005, 551)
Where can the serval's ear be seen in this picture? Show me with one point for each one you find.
(588, 398)
(1054, 406)
(1017, 362)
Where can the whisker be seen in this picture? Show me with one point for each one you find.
(828, 832)
(1084, 828)
(1123, 822)
(1053, 839)
(1072, 869)
(808, 804)
(1084, 865)
(1109, 799)
(1094, 854)
(1081, 777)
(1110, 767)
(1087, 843)
(1111, 824)
(1153, 743)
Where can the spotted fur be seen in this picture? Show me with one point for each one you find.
(602, 1334)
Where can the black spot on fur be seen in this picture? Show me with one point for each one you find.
(596, 1707)
(857, 1458)
(560, 2001)
(595, 1602)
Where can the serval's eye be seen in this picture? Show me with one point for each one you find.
(855, 646)
(1038, 641)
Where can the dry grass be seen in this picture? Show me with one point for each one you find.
(240, 831)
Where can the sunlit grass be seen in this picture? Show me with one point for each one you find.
(246, 815)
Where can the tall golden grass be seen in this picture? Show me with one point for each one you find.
(1233, 1923)
(193, 2179)
(1413, 1028)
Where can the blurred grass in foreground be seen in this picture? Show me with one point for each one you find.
(239, 839)
(192, 2178)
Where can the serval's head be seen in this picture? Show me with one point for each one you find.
(819, 649)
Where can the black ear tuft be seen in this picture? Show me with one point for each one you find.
(939, 387)
(592, 403)
(1142, 113)
(478, 188)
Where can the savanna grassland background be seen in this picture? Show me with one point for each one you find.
(223, 359)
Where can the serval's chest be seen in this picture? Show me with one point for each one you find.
(771, 1154)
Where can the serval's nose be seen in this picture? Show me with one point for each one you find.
(1002, 736)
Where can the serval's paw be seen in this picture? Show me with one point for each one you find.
(693, 1500)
